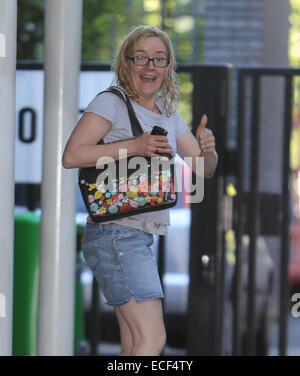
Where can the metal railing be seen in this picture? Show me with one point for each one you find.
(256, 74)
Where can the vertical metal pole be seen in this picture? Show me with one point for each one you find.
(285, 243)
(254, 206)
(204, 319)
(8, 37)
(63, 19)
(238, 287)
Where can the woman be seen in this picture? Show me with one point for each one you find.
(119, 252)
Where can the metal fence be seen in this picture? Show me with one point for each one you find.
(279, 204)
(256, 213)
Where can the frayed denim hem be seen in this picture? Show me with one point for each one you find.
(137, 299)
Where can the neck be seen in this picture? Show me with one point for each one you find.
(148, 103)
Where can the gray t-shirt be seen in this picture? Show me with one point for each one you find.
(112, 108)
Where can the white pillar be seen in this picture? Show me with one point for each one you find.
(63, 19)
(8, 37)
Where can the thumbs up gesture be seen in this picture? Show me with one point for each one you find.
(205, 137)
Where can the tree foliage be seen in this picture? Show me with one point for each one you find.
(30, 29)
(106, 22)
(104, 25)
(294, 42)
(294, 56)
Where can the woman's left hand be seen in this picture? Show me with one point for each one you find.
(205, 137)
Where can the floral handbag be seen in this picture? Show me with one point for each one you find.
(113, 196)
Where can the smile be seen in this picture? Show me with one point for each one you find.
(148, 78)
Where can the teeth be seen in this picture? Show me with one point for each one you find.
(148, 77)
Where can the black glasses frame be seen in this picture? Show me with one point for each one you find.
(148, 60)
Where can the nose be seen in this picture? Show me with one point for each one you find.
(151, 61)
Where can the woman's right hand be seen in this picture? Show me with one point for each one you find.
(149, 145)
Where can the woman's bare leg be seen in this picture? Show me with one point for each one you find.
(145, 322)
(125, 333)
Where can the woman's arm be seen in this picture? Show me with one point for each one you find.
(82, 150)
(203, 145)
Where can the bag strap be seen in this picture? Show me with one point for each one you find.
(136, 127)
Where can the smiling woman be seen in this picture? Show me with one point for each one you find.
(119, 251)
(148, 72)
(148, 43)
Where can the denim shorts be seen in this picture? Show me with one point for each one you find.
(122, 261)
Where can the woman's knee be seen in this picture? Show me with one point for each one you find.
(161, 340)
(146, 325)
(155, 339)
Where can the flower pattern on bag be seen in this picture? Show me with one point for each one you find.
(131, 193)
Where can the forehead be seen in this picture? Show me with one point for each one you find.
(151, 45)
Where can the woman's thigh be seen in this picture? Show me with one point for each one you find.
(145, 318)
(123, 263)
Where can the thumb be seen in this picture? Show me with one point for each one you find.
(203, 121)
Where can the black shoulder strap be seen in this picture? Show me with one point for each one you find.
(136, 128)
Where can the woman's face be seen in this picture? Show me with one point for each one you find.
(147, 79)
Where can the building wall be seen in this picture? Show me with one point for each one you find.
(234, 31)
(253, 32)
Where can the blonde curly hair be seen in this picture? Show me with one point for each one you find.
(168, 90)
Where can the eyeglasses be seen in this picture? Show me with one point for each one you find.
(160, 62)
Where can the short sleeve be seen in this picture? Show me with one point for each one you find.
(105, 105)
(180, 125)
